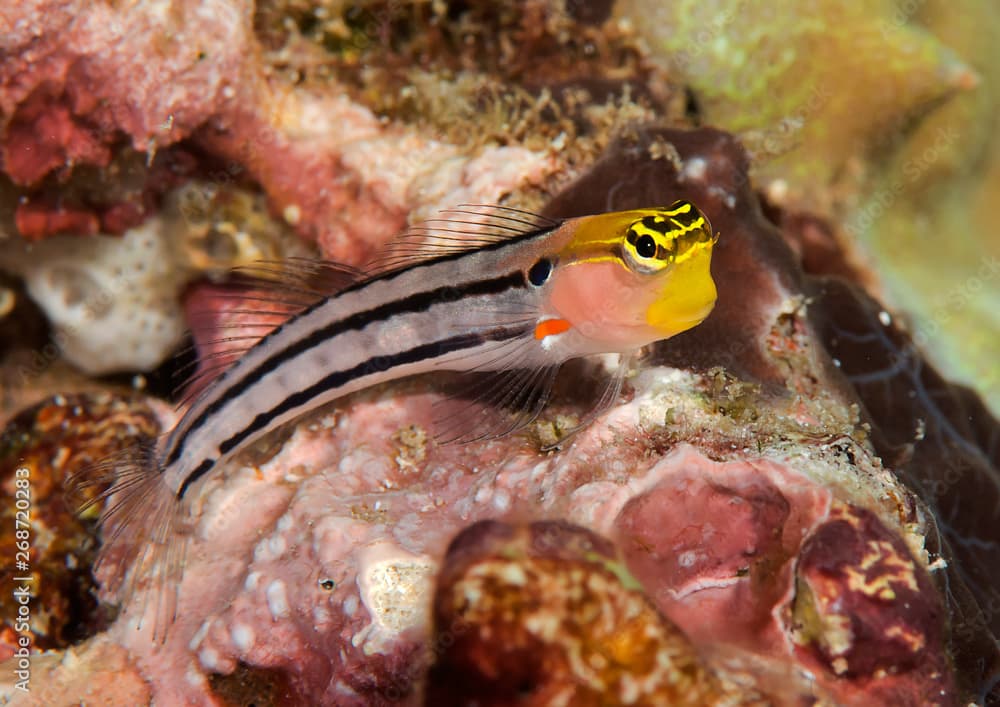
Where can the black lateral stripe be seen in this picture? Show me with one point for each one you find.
(340, 378)
(199, 471)
(458, 254)
(419, 302)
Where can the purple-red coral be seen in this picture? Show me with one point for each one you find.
(865, 607)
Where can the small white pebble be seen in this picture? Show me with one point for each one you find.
(250, 583)
(514, 574)
(694, 168)
(209, 659)
(243, 637)
(885, 318)
(687, 559)
(292, 214)
(277, 600)
(777, 191)
(320, 616)
(501, 501)
(276, 545)
(836, 362)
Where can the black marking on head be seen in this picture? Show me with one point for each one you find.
(655, 223)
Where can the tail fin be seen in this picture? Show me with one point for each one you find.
(140, 519)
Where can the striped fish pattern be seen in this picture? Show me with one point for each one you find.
(492, 290)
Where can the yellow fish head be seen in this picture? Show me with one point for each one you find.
(638, 276)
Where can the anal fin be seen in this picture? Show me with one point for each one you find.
(494, 405)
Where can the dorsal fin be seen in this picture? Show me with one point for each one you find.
(309, 278)
(465, 227)
(229, 318)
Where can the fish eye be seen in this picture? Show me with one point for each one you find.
(540, 272)
(645, 246)
(661, 237)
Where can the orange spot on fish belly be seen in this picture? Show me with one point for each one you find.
(550, 327)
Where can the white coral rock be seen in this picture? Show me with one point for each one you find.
(113, 302)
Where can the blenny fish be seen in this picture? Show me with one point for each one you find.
(494, 290)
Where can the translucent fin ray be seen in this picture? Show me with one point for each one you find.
(609, 396)
(140, 519)
(463, 228)
(498, 405)
(312, 276)
(503, 394)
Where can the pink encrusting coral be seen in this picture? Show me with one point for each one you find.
(204, 118)
(78, 79)
(320, 562)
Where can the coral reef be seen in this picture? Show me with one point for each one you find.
(881, 118)
(111, 301)
(322, 159)
(40, 445)
(354, 511)
(941, 183)
(329, 166)
(547, 613)
(789, 505)
(749, 72)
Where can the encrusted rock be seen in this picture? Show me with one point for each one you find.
(546, 614)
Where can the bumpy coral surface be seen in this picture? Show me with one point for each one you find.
(881, 116)
(719, 491)
(36, 446)
(329, 166)
(788, 505)
(547, 613)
